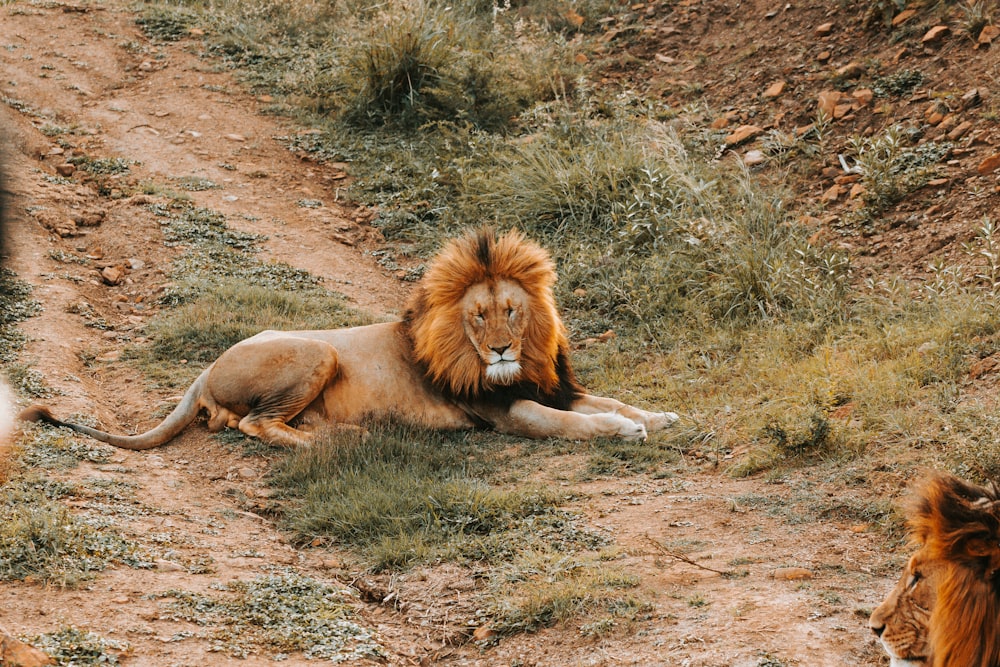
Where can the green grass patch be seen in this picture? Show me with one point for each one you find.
(71, 647)
(405, 495)
(278, 614)
(540, 589)
(41, 540)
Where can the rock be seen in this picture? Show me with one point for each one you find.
(851, 70)
(827, 101)
(774, 90)
(959, 131)
(91, 217)
(483, 633)
(935, 35)
(832, 194)
(823, 29)
(16, 653)
(235, 137)
(857, 190)
(902, 17)
(981, 367)
(66, 169)
(863, 96)
(989, 165)
(112, 275)
(136, 264)
(987, 35)
(823, 57)
(56, 222)
(972, 98)
(743, 133)
(168, 566)
(753, 158)
(791, 573)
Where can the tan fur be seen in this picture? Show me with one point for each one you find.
(481, 343)
(945, 609)
(901, 621)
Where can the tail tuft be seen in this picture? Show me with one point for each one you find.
(38, 413)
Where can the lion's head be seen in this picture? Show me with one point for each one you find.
(945, 609)
(484, 317)
(901, 621)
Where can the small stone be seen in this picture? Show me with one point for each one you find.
(846, 179)
(719, 123)
(972, 98)
(743, 133)
(935, 117)
(774, 90)
(66, 169)
(136, 264)
(935, 34)
(168, 566)
(235, 137)
(823, 29)
(196, 32)
(859, 528)
(56, 150)
(959, 131)
(607, 335)
(863, 96)
(851, 70)
(753, 158)
(112, 275)
(841, 110)
(857, 190)
(989, 165)
(827, 101)
(823, 57)
(483, 633)
(937, 182)
(247, 473)
(832, 194)
(146, 66)
(15, 652)
(791, 573)
(902, 17)
(987, 35)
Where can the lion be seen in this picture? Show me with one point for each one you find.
(480, 344)
(945, 608)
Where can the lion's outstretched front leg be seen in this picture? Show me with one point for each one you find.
(264, 384)
(533, 420)
(653, 421)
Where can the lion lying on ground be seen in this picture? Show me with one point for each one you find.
(480, 344)
(945, 609)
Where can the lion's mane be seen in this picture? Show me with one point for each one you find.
(958, 524)
(433, 321)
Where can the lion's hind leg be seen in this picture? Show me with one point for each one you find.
(264, 384)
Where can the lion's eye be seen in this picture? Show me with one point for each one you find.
(914, 578)
(511, 313)
(480, 319)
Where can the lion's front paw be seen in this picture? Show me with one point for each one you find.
(615, 425)
(661, 420)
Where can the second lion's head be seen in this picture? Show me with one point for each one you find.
(484, 316)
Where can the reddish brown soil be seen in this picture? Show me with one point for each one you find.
(180, 116)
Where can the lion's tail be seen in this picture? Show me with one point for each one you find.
(176, 421)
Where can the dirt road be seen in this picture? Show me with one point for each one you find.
(83, 81)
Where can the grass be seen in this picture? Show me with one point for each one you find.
(280, 613)
(405, 496)
(40, 540)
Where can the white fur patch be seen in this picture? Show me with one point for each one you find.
(503, 372)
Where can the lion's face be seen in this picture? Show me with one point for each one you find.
(902, 620)
(494, 316)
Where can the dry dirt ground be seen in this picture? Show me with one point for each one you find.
(180, 117)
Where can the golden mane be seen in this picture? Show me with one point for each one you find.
(434, 316)
(958, 526)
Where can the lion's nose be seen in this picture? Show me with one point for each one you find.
(877, 629)
(500, 349)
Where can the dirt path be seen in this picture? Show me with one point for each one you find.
(89, 83)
